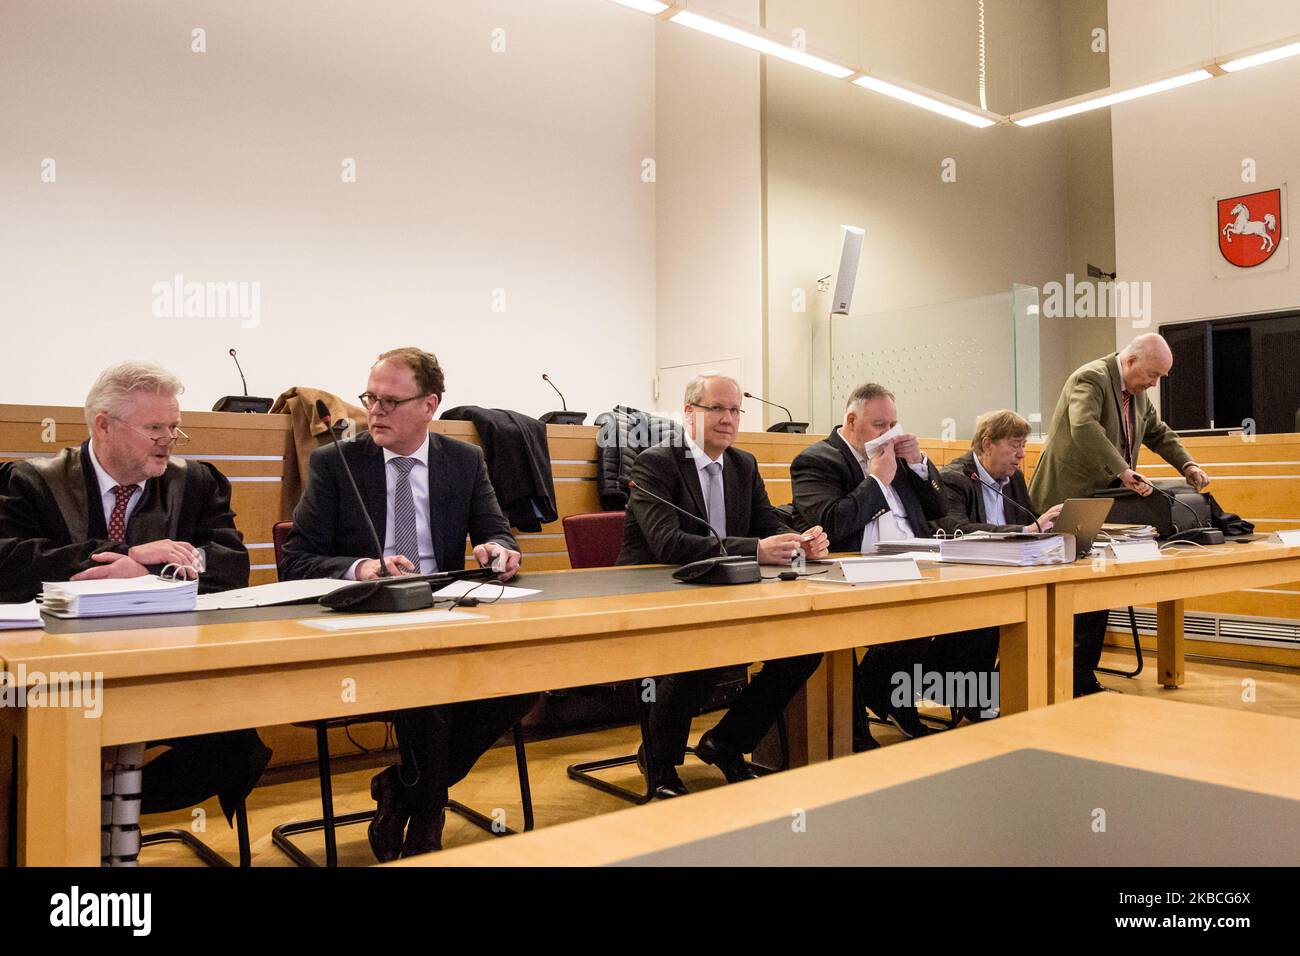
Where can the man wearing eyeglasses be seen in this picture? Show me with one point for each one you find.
(120, 506)
(721, 486)
(425, 494)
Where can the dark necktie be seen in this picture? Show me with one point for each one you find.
(117, 520)
(406, 536)
(1128, 428)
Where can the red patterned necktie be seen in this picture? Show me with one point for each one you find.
(1128, 429)
(117, 520)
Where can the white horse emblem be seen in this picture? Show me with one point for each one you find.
(1243, 225)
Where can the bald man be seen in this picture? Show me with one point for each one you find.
(1102, 420)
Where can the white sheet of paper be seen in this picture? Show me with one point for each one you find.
(483, 590)
(14, 616)
(353, 622)
(267, 595)
(890, 435)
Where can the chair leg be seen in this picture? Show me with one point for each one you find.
(327, 821)
(209, 856)
(490, 824)
(1137, 649)
(585, 772)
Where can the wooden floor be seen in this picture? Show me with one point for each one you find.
(493, 784)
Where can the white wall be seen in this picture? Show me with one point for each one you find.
(476, 171)
(708, 205)
(1174, 152)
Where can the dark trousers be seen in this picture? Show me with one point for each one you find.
(873, 680)
(972, 654)
(439, 745)
(679, 697)
(192, 769)
(1089, 635)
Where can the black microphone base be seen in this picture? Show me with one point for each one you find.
(244, 403)
(380, 596)
(719, 570)
(562, 418)
(1199, 536)
(789, 428)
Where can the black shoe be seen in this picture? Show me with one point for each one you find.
(1085, 684)
(977, 716)
(424, 832)
(908, 722)
(732, 765)
(665, 783)
(865, 742)
(385, 830)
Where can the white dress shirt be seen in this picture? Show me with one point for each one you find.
(419, 478)
(106, 486)
(994, 504)
(891, 526)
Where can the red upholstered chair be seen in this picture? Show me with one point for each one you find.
(594, 540)
(328, 822)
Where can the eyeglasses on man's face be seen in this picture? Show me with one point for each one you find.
(720, 410)
(163, 435)
(370, 400)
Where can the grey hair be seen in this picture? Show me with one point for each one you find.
(696, 386)
(866, 392)
(114, 386)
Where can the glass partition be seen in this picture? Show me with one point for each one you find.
(945, 363)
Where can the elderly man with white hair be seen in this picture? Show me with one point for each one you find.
(120, 506)
(1101, 421)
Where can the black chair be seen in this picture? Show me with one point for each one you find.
(328, 821)
(1137, 649)
(200, 849)
(593, 541)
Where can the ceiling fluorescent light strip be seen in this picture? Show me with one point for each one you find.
(926, 102)
(1085, 104)
(1245, 62)
(763, 44)
(644, 6)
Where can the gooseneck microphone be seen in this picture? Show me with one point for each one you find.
(1198, 533)
(790, 427)
(721, 569)
(240, 370)
(564, 416)
(242, 403)
(323, 413)
(974, 476)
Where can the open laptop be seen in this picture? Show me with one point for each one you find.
(1083, 518)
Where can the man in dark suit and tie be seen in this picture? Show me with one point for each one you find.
(425, 493)
(1101, 421)
(721, 486)
(863, 491)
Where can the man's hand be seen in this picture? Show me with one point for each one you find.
(165, 551)
(398, 564)
(1135, 482)
(485, 555)
(114, 565)
(1196, 477)
(819, 546)
(884, 466)
(1046, 519)
(779, 548)
(908, 448)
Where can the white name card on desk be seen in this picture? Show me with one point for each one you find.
(1286, 537)
(871, 570)
(1127, 551)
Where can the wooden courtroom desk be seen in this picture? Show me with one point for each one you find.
(173, 681)
(1181, 573)
(1134, 747)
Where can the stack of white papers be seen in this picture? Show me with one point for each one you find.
(110, 597)
(15, 616)
(1129, 532)
(270, 595)
(1016, 550)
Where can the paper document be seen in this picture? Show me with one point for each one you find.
(269, 595)
(108, 597)
(353, 622)
(483, 590)
(14, 616)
